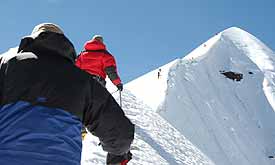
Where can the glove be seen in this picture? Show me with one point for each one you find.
(119, 86)
(119, 159)
(83, 132)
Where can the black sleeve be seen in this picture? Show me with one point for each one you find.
(111, 72)
(106, 120)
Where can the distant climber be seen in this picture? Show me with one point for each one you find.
(96, 60)
(159, 73)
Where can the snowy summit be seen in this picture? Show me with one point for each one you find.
(220, 97)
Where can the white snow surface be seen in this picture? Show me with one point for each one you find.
(150, 88)
(231, 122)
(156, 141)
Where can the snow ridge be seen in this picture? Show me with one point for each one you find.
(235, 119)
(231, 122)
(156, 141)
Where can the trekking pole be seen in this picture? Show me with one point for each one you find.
(114, 92)
(120, 100)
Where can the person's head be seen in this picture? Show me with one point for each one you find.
(98, 38)
(48, 36)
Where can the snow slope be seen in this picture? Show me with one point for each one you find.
(156, 141)
(231, 122)
(151, 88)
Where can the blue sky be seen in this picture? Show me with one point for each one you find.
(143, 34)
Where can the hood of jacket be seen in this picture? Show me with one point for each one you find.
(94, 45)
(51, 42)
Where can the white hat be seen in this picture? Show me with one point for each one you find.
(98, 38)
(47, 27)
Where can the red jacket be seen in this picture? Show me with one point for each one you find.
(96, 60)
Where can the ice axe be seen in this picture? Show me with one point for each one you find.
(120, 99)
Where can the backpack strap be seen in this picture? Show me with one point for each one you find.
(100, 51)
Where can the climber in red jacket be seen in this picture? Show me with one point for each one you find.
(96, 60)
